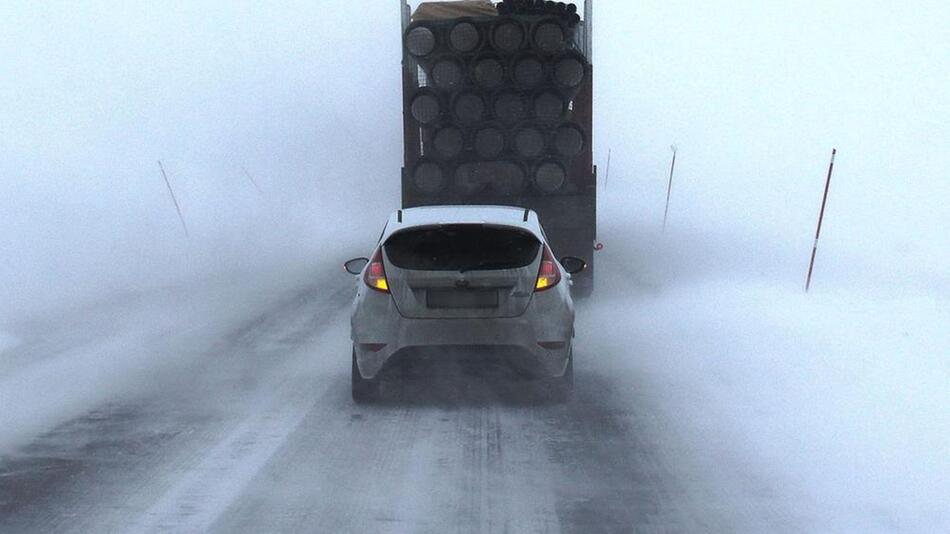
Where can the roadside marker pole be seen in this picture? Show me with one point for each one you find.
(175, 200)
(669, 188)
(821, 217)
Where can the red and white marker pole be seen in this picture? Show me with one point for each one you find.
(821, 217)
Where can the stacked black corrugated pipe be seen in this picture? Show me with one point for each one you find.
(540, 7)
(494, 103)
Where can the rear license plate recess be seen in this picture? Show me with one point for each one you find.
(462, 298)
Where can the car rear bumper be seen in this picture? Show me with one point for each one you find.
(379, 332)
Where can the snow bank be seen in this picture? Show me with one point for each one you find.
(830, 405)
(839, 398)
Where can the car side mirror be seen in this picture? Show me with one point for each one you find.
(573, 265)
(355, 266)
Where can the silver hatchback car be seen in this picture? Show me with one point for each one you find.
(463, 276)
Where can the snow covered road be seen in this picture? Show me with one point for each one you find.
(259, 434)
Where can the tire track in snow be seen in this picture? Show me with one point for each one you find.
(207, 489)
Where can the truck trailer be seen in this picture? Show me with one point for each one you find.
(497, 110)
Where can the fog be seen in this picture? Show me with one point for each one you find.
(756, 97)
(839, 395)
(307, 99)
(94, 94)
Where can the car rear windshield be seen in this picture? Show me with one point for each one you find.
(462, 247)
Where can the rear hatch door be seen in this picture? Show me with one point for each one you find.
(462, 270)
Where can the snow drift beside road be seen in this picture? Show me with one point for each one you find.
(831, 406)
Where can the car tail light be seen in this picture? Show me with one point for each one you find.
(375, 276)
(548, 275)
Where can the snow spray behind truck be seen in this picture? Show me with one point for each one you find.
(497, 109)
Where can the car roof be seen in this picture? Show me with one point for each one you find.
(522, 218)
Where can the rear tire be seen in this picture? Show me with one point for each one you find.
(364, 390)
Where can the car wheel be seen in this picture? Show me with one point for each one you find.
(364, 390)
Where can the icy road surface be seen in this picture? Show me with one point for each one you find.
(199, 411)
